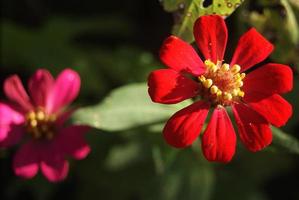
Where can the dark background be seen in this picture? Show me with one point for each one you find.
(112, 43)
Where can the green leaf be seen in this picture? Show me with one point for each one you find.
(126, 107)
(295, 3)
(285, 141)
(189, 10)
(291, 25)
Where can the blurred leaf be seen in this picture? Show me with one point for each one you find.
(54, 43)
(291, 25)
(285, 141)
(189, 10)
(126, 107)
(295, 3)
(122, 155)
(190, 177)
(277, 21)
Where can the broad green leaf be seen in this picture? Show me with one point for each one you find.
(285, 141)
(189, 10)
(126, 107)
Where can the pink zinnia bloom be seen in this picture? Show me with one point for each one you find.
(253, 95)
(38, 118)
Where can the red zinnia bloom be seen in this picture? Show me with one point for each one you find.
(253, 97)
(41, 116)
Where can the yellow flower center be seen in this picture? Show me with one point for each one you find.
(40, 125)
(222, 83)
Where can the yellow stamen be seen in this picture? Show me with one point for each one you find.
(239, 83)
(227, 96)
(235, 68)
(208, 83)
(40, 115)
(235, 92)
(219, 93)
(225, 67)
(208, 62)
(33, 123)
(241, 93)
(214, 89)
(242, 75)
(201, 78)
(213, 68)
(31, 115)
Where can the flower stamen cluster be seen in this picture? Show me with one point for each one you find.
(222, 83)
(40, 125)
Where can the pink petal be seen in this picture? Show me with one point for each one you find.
(219, 139)
(56, 171)
(254, 129)
(267, 80)
(9, 119)
(25, 163)
(39, 85)
(275, 109)
(185, 125)
(181, 57)
(64, 116)
(8, 115)
(14, 134)
(168, 86)
(65, 90)
(210, 33)
(14, 90)
(252, 49)
(72, 141)
(53, 165)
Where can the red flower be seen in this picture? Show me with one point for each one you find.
(253, 97)
(41, 117)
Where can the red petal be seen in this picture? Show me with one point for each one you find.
(210, 33)
(274, 108)
(254, 129)
(219, 139)
(15, 91)
(64, 91)
(252, 49)
(185, 125)
(168, 86)
(180, 56)
(39, 85)
(268, 80)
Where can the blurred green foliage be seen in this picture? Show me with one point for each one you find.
(187, 11)
(111, 45)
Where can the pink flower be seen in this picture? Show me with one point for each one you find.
(38, 118)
